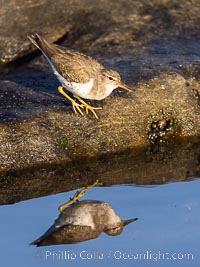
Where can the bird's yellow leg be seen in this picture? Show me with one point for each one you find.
(77, 195)
(76, 107)
(87, 107)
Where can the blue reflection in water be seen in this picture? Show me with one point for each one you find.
(167, 229)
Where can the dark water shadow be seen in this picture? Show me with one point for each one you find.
(37, 77)
(142, 166)
(178, 54)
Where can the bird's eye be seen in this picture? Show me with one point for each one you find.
(111, 78)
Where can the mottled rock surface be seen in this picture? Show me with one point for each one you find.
(92, 25)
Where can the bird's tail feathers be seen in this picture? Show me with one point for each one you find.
(42, 44)
(39, 242)
(36, 40)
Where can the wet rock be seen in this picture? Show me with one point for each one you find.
(178, 161)
(157, 55)
(33, 126)
(28, 17)
(158, 130)
(91, 24)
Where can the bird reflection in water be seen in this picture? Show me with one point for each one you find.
(82, 220)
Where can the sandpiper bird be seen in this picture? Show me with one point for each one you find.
(82, 221)
(79, 74)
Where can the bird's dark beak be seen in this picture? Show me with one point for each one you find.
(124, 86)
(125, 222)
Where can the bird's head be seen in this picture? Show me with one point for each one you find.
(113, 79)
(117, 229)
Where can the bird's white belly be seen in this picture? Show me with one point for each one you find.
(80, 89)
(77, 216)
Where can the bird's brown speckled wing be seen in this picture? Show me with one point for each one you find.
(68, 234)
(74, 66)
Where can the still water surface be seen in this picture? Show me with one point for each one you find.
(166, 234)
